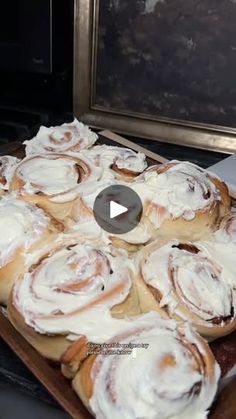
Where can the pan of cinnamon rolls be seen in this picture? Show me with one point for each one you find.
(128, 317)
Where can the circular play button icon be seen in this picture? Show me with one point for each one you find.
(117, 209)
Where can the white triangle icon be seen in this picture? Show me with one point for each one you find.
(116, 209)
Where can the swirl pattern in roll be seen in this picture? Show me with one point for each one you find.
(66, 138)
(71, 291)
(171, 373)
(22, 225)
(57, 176)
(54, 181)
(226, 232)
(182, 200)
(83, 220)
(117, 162)
(7, 167)
(186, 282)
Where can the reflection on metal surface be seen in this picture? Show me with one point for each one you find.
(178, 131)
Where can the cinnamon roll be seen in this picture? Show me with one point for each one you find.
(53, 181)
(82, 223)
(66, 138)
(117, 162)
(78, 290)
(83, 220)
(187, 282)
(222, 247)
(7, 167)
(226, 232)
(155, 369)
(181, 200)
(23, 227)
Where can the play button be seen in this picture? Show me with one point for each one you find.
(117, 209)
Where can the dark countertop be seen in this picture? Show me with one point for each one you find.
(203, 158)
(12, 370)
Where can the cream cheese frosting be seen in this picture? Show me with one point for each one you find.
(181, 190)
(73, 290)
(196, 279)
(86, 223)
(68, 137)
(123, 158)
(7, 168)
(21, 224)
(224, 254)
(227, 229)
(165, 379)
(57, 176)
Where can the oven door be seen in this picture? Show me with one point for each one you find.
(26, 36)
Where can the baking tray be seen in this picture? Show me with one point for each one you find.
(50, 375)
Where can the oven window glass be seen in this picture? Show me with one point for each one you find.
(9, 22)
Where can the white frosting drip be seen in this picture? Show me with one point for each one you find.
(21, 224)
(88, 228)
(224, 254)
(67, 137)
(89, 191)
(55, 176)
(84, 221)
(168, 195)
(199, 281)
(54, 299)
(140, 234)
(227, 230)
(7, 167)
(161, 378)
(124, 158)
(179, 190)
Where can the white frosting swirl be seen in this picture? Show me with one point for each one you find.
(7, 167)
(188, 275)
(83, 223)
(227, 229)
(68, 137)
(166, 376)
(60, 177)
(178, 189)
(224, 254)
(72, 291)
(21, 224)
(85, 219)
(111, 158)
